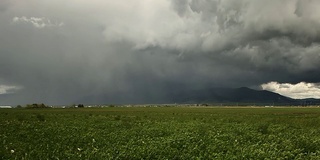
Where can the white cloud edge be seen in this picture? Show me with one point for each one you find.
(299, 90)
(7, 89)
(37, 22)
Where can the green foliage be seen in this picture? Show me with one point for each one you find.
(35, 105)
(40, 117)
(80, 106)
(160, 133)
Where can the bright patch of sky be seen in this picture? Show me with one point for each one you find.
(299, 91)
(6, 89)
(37, 22)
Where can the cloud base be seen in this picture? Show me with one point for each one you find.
(64, 51)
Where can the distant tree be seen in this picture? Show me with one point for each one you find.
(35, 105)
(80, 106)
(42, 106)
(19, 106)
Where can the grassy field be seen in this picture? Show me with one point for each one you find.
(160, 133)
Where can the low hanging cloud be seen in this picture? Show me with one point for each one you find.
(37, 22)
(6, 89)
(299, 91)
(146, 49)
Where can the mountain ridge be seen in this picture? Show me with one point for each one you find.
(242, 95)
(213, 96)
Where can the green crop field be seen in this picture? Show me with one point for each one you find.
(160, 133)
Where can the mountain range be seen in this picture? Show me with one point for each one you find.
(238, 96)
(213, 96)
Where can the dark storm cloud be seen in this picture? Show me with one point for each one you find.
(106, 51)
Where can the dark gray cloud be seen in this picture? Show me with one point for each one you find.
(123, 52)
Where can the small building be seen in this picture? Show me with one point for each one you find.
(5, 107)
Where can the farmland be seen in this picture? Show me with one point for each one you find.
(160, 133)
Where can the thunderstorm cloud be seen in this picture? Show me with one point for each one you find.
(104, 51)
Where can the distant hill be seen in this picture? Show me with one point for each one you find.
(238, 96)
(214, 96)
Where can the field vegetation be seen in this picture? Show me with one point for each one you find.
(160, 133)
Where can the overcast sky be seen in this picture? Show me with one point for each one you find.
(62, 52)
